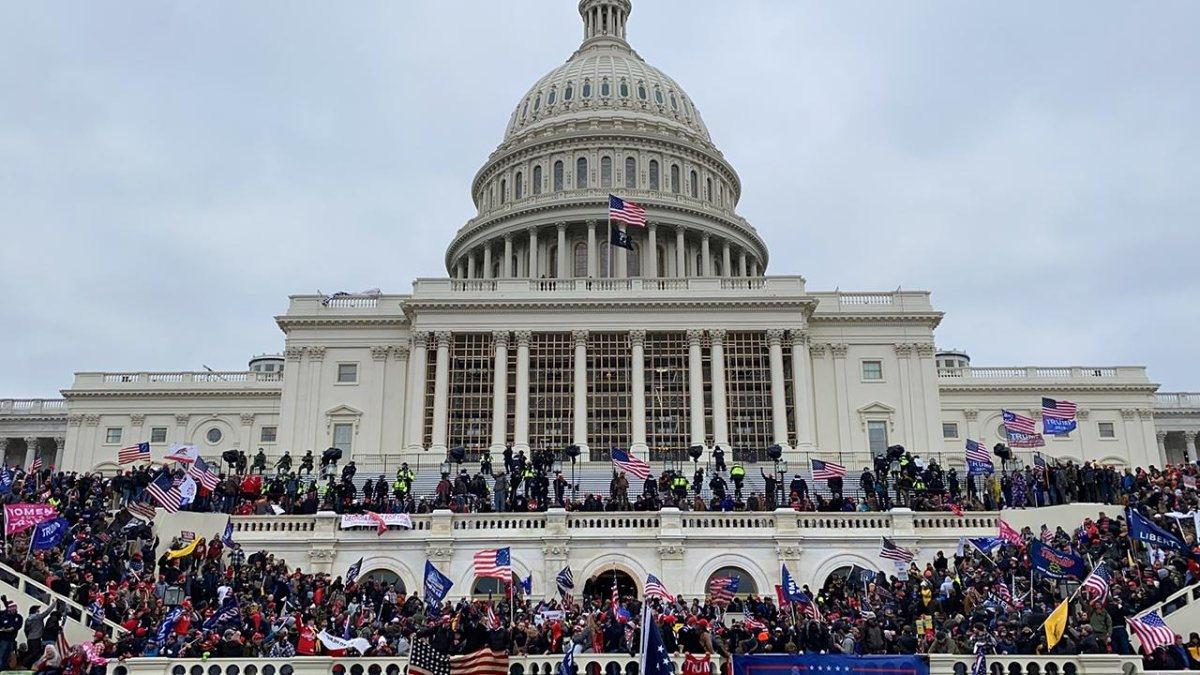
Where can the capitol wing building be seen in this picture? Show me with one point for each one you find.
(542, 335)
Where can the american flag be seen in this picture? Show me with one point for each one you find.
(165, 491)
(1098, 581)
(141, 510)
(893, 552)
(203, 473)
(627, 461)
(1152, 631)
(1018, 423)
(425, 660)
(826, 470)
(980, 666)
(626, 211)
(1009, 534)
(753, 624)
(36, 466)
(1046, 535)
(722, 589)
(493, 621)
(809, 606)
(495, 563)
(977, 453)
(656, 589)
(1005, 594)
(566, 584)
(1061, 410)
(482, 662)
(134, 453)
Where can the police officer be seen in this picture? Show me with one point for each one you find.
(679, 486)
(405, 474)
(284, 464)
(719, 458)
(738, 474)
(306, 463)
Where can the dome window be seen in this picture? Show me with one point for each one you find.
(641, 91)
(537, 180)
(708, 192)
(694, 188)
(587, 89)
(503, 189)
(550, 98)
(525, 110)
(605, 89)
(558, 175)
(674, 103)
(537, 103)
(606, 172)
(658, 97)
(675, 178)
(581, 173)
(569, 92)
(518, 190)
(654, 174)
(630, 173)
(624, 89)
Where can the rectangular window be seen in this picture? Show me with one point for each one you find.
(113, 435)
(1107, 430)
(877, 436)
(469, 422)
(343, 437)
(347, 373)
(872, 370)
(267, 435)
(667, 414)
(608, 393)
(748, 394)
(950, 430)
(551, 389)
(158, 435)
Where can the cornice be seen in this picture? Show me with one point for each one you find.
(631, 304)
(931, 319)
(174, 393)
(11, 419)
(285, 322)
(1139, 388)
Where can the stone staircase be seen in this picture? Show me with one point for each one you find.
(26, 593)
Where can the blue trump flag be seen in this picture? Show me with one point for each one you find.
(437, 585)
(1055, 564)
(1143, 529)
(791, 590)
(167, 625)
(48, 534)
(6, 480)
(567, 667)
(782, 664)
(229, 614)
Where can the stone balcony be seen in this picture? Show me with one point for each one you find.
(1001, 377)
(108, 383)
(33, 407)
(1168, 402)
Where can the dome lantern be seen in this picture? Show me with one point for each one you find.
(604, 19)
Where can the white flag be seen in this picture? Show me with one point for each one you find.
(187, 491)
(335, 642)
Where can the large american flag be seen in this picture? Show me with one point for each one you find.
(809, 606)
(1098, 581)
(165, 491)
(482, 662)
(1152, 631)
(1062, 410)
(203, 473)
(656, 589)
(626, 211)
(722, 589)
(891, 551)
(627, 461)
(425, 660)
(825, 470)
(1018, 423)
(977, 453)
(134, 453)
(495, 563)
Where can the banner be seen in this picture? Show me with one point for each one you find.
(371, 520)
(1143, 529)
(977, 468)
(1017, 439)
(48, 534)
(1055, 427)
(1055, 564)
(777, 664)
(548, 615)
(19, 517)
(183, 552)
(335, 643)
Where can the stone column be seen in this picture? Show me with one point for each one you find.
(637, 340)
(414, 429)
(720, 406)
(621, 264)
(506, 264)
(705, 258)
(754, 268)
(726, 260)
(1161, 437)
(461, 270)
(533, 253)
(441, 394)
(563, 271)
(591, 250)
(1190, 445)
(778, 401)
(521, 427)
(487, 261)
(802, 394)
(680, 253)
(741, 269)
(579, 432)
(695, 387)
(499, 393)
(650, 255)
(471, 265)
(59, 443)
(31, 447)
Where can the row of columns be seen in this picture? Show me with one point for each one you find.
(1191, 444)
(32, 444)
(801, 367)
(733, 263)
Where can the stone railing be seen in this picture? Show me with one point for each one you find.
(858, 302)
(166, 380)
(432, 289)
(595, 664)
(1167, 400)
(33, 406)
(41, 594)
(1135, 374)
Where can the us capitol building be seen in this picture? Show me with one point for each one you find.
(537, 338)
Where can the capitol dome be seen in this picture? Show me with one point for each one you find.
(605, 122)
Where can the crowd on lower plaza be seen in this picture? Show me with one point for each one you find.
(239, 604)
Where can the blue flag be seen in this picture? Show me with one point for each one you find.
(1055, 564)
(791, 590)
(48, 534)
(655, 660)
(1052, 426)
(228, 615)
(167, 625)
(985, 544)
(1143, 529)
(527, 585)
(437, 585)
(227, 538)
(567, 667)
(6, 480)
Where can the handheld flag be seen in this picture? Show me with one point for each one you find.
(48, 534)
(1098, 581)
(352, 572)
(822, 470)
(1143, 529)
(6, 480)
(1053, 563)
(437, 585)
(1021, 430)
(978, 460)
(722, 589)
(164, 491)
(791, 590)
(1058, 417)
(1152, 631)
(527, 585)
(227, 537)
(183, 552)
(1056, 623)
(656, 589)
(567, 666)
(891, 551)
(627, 461)
(654, 659)
(184, 453)
(1009, 534)
(566, 583)
(495, 563)
(134, 453)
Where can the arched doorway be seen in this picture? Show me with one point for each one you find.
(742, 586)
(389, 579)
(849, 576)
(491, 587)
(601, 585)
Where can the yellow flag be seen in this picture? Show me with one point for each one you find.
(1055, 624)
(183, 552)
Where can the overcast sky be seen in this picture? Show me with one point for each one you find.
(171, 171)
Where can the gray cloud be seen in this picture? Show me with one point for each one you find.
(169, 171)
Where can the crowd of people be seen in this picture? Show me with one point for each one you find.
(235, 603)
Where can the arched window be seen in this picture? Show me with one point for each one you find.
(518, 188)
(602, 264)
(698, 265)
(553, 255)
(581, 173)
(658, 98)
(580, 258)
(605, 89)
(537, 179)
(654, 174)
(674, 104)
(537, 103)
(587, 88)
(558, 175)
(630, 172)
(606, 172)
(569, 92)
(525, 110)
(633, 261)
(708, 193)
(694, 188)
(675, 178)
(624, 89)
(662, 261)
(503, 189)
(551, 96)
(641, 91)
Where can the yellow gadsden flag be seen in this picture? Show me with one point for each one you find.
(187, 550)
(1056, 623)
